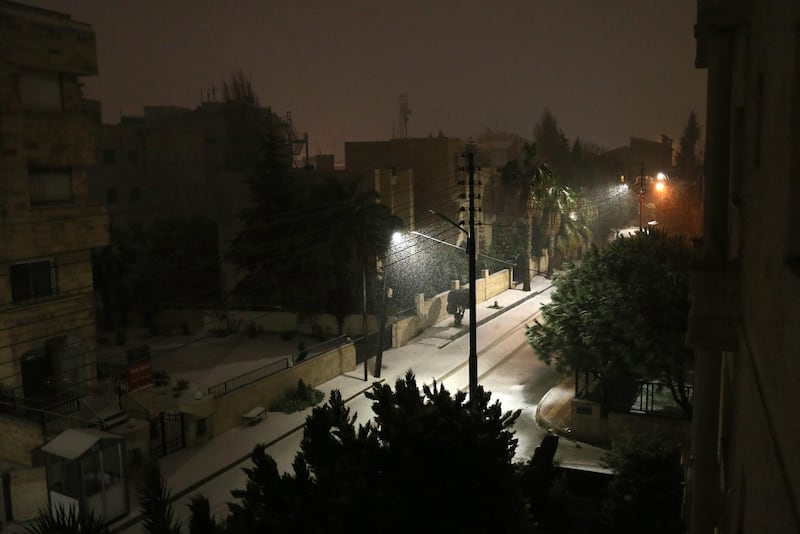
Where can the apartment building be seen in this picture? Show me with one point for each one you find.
(433, 182)
(745, 466)
(48, 225)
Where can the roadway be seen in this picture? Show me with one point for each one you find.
(507, 367)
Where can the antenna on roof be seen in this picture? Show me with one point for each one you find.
(403, 114)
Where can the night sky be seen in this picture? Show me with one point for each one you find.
(607, 69)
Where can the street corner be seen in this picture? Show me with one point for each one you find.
(554, 411)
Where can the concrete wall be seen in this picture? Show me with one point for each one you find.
(489, 286)
(223, 413)
(278, 322)
(589, 426)
(28, 492)
(429, 312)
(229, 408)
(20, 439)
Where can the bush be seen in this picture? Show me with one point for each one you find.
(160, 378)
(298, 398)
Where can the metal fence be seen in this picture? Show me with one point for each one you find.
(367, 346)
(223, 388)
(53, 417)
(650, 395)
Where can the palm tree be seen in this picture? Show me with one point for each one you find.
(356, 229)
(574, 233)
(518, 177)
(560, 218)
(67, 521)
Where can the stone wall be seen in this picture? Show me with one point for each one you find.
(224, 412)
(229, 408)
(20, 439)
(429, 312)
(588, 425)
(28, 492)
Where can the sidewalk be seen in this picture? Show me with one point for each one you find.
(437, 353)
(188, 469)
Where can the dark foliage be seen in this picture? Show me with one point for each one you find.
(457, 304)
(67, 521)
(170, 263)
(429, 461)
(154, 500)
(645, 495)
(622, 314)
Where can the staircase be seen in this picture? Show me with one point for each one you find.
(104, 411)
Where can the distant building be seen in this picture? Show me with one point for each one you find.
(745, 467)
(434, 162)
(48, 227)
(642, 157)
(177, 162)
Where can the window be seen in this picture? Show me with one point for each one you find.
(135, 193)
(111, 195)
(50, 185)
(32, 280)
(40, 91)
(133, 157)
(109, 156)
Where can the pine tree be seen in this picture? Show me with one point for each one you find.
(687, 153)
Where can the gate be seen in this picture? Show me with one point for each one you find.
(167, 434)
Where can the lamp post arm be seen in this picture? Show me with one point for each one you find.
(448, 220)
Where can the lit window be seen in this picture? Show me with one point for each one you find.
(50, 185)
(32, 280)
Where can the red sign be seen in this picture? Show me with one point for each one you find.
(140, 371)
(140, 375)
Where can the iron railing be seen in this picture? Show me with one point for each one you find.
(53, 419)
(223, 388)
(131, 406)
(647, 394)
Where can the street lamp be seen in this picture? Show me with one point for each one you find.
(471, 253)
(397, 237)
(660, 187)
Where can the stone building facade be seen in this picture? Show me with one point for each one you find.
(48, 225)
(745, 466)
(434, 164)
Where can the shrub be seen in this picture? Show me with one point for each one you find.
(298, 398)
(160, 378)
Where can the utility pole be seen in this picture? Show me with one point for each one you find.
(364, 348)
(473, 320)
(641, 199)
(471, 253)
